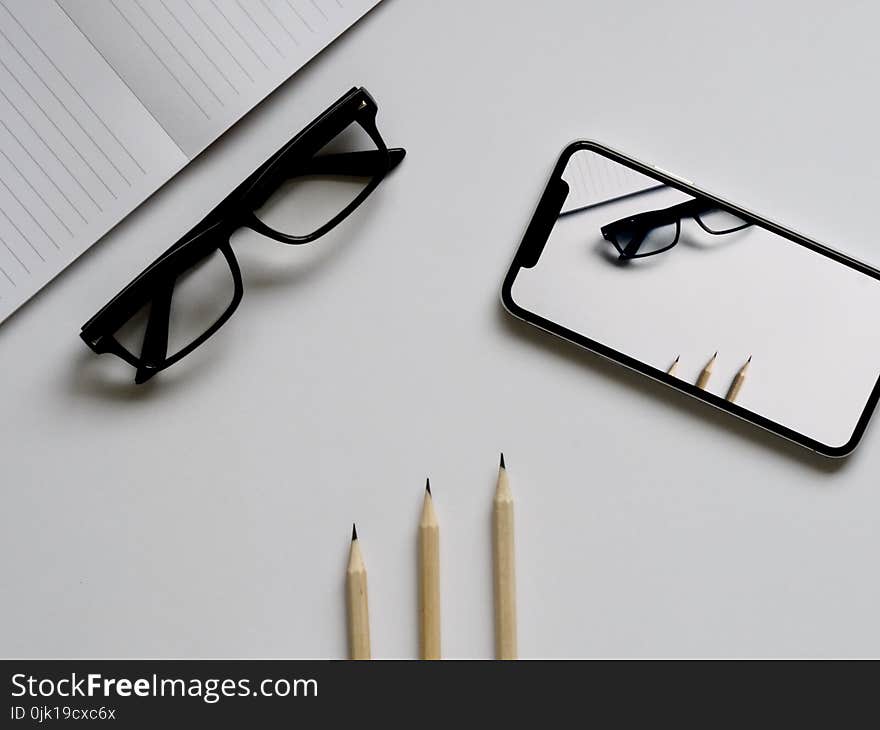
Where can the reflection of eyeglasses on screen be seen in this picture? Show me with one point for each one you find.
(300, 193)
(656, 231)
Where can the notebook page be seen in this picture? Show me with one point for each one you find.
(199, 65)
(593, 179)
(78, 151)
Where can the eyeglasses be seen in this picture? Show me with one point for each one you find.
(299, 194)
(656, 231)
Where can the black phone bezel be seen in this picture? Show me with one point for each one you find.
(538, 232)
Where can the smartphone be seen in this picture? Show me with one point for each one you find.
(646, 269)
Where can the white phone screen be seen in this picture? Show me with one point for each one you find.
(656, 273)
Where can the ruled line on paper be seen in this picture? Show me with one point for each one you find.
(198, 45)
(178, 51)
(50, 149)
(160, 60)
(239, 34)
(279, 21)
(303, 17)
(58, 129)
(76, 91)
(29, 213)
(23, 237)
(64, 106)
(260, 28)
(594, 179)
(38, 165)
(13, 252)
(8, 277)
(220, 41)
(37, 193)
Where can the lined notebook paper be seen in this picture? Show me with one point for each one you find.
(102, 101)
(593, 179)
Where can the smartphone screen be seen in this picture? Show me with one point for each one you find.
(650, 271)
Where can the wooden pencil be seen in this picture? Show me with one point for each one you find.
(674, 366)
(429, 579)
(504, 564)
(356, 595)
(738, 381)
(706, 373)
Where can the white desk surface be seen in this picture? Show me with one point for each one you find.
(208, 515)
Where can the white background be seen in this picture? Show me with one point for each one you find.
(208, 513)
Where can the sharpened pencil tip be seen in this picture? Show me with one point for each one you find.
(354, 532)
(428, 485)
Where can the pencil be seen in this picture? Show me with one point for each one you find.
(706, 373)
(429, 579)
(356, 595)
(674, 366)
(738, 381)
(505, 572)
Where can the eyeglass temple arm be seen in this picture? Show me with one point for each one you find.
(353, 164)
(661, 216)
(692, 207)
(155, 344)
(695, 208)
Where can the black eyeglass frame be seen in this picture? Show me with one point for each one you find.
(155, 285)
(639, 225)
